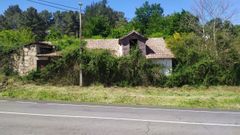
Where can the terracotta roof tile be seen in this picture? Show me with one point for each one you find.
(156, 47)
(109, 44)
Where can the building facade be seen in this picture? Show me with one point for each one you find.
(33, 56)
(154, 49)
(37, 55)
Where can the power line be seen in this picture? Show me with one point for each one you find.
(59, 4)
(48, 5)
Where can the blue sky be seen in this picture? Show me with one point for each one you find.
(126, 6)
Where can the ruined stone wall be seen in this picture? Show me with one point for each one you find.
(25, 60)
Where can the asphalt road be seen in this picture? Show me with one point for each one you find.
(30, 118)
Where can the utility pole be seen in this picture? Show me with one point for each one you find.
(80, 37)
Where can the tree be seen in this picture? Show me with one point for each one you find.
(58, 21)
(71, 23)
(236, 41)
(31, 19)
(168, 25)
(187, 22)
(156, 26)
(121, 29)
(67, 22)
(99, 18)
(47, 18)
(237, 29)
(2, 22)
(211, 10)
(197, 65)
(145, 13)
(12, 17)
(97, 26)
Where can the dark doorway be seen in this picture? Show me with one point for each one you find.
(133, 44)
(42, 63)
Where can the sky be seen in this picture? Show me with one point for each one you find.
(126, 6)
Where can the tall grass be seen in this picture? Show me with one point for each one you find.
(220, 97)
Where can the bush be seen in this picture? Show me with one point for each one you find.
(10, 42)
(198, 64)
(100, 66)
(201, 64)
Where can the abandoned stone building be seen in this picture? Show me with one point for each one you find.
(37, 55)
(154, 49)
(33, 56)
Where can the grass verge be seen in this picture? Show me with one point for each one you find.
(219, 97)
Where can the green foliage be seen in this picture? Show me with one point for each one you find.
(200, 63)
(182, 22)
(156, 35)
(211, 57)
(99, 66)
(10, 40)
(11, 18)
(47, 18)
(53, 34)
(136, 70)
(98, 25)
(145, 13)
(32, 20)
(99, 19)
(66, 43)
(121, 30)
(66, 22)
(219, 97)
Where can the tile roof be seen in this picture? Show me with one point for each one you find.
(156, 47)
(109, 44)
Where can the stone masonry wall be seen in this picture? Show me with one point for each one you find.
(25, 61)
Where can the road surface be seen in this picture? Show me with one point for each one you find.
(31, 118)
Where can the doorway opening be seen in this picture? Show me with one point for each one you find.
(133, 44)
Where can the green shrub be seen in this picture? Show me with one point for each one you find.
(10, 42)
(100, 67)
(200, 63)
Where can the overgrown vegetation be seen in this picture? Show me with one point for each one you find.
(99, 66)
(10, 42)
(200, 63)
(207, 52)
(220, 97)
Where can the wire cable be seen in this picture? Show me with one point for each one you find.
(48, 5)
(59, 4)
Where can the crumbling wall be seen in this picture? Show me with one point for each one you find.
(25, 60)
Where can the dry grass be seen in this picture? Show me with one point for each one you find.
(220, 97)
